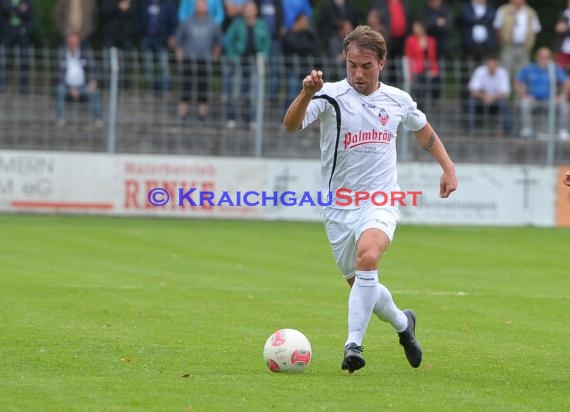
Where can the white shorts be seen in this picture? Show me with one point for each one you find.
(344, 227)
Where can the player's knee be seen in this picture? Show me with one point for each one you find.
(367, 260)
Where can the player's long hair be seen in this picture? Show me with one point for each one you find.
(366, 38)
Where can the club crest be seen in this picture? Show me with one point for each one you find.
(383, 117)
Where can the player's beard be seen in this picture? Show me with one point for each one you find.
(363, 86)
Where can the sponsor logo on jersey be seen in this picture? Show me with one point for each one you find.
(360, 138)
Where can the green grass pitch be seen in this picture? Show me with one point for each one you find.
(109, 314)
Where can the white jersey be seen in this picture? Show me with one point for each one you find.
(358, 135)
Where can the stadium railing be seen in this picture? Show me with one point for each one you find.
(142, 116)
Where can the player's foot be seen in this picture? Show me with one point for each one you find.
(408, 340)
(353, 360)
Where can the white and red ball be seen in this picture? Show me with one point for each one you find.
(287, 350)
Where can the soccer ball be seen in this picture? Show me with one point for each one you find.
(287, 350)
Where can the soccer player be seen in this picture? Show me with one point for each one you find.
(359, 117)
(567, 178)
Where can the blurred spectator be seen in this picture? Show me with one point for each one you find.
(198, 44)
(230, 75)
(300, 49)
(562, 29)
(478, 32)
(533, 88)
(397, 17)
(271, 11)
(438, 21)
(157, 22)
(490, 90)
(336, 51)
(15, 39)
(187, 8)
(517, 25)
(246, 36)
(421, 51)
(117, 19)
(76, 16)
(336, 44)
(375, 22)
(332, 14)
(77, 79)
(233, 9)
(293, 9)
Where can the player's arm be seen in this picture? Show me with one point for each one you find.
(312, 83)
(431, 142)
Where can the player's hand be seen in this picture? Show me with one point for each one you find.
(567, 178)
(447, 183)
(313, 82)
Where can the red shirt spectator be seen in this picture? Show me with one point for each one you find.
(399, 22)
(421, 50)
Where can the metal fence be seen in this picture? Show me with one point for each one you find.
(141, 114)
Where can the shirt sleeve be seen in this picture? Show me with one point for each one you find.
(218, 12)
(315, 108)
(475, 82)
(498, 21)
(415, 119)
(218, 36)
(308, 9)
(536, 27)
(560, 74)
(522, 75)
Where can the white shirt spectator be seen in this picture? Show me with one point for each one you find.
(74, 73)
(520, 26)
(493, 84)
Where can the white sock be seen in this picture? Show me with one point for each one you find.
(363, 295)
(386, 310)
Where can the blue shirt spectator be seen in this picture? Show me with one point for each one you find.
(215, 10)
(294, 8)
(533, 89)
(535, 77)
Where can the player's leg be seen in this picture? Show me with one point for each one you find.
(364, 293)
(339, 225)
(384, 221)
(403, 322)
